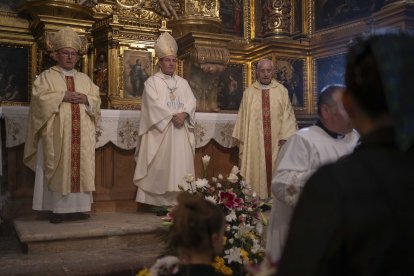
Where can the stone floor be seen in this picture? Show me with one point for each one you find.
(105, 259)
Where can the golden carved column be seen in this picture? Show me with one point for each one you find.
(199, 16)
(204, 57)
(277, 17)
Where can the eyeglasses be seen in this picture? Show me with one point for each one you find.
(68, 54)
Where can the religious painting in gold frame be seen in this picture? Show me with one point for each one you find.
(328, 70)
(231, 15)
(291, 72)
(232, 82)
(235, 16)
(331, 13)
(15, 73)
(137, 67)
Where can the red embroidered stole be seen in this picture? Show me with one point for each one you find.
(75, 140)
(267, 137)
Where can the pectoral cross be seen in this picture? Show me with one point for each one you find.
(172, 95)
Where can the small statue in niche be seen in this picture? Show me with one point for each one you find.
(100, 73)
(167, 8)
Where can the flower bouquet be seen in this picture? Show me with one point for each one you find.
(240, 204)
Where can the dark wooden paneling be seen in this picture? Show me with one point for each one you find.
(115, 190)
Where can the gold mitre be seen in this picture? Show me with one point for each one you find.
(165, 46)
(66, 38)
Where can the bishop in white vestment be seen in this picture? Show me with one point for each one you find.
(166, 142)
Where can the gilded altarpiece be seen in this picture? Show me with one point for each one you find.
(220, 43)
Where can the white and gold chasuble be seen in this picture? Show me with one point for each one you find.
(249, 131)
(67, 146)
(164, 153)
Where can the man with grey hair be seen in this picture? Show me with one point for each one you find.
(265, 120)
(60, 143)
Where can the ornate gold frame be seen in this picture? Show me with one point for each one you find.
(18, 36)
(244, 68)
(315, 72)
(145, 57)
(304, 108)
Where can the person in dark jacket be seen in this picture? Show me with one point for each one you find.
(356, 217)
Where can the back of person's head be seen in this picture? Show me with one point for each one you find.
(326, 95)
(363, 80)
(379, 79)
(196, 220)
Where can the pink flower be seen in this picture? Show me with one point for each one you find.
(168, 217)
(230, 200)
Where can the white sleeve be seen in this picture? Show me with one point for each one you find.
(293, 169)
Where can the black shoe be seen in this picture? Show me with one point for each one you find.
(55, 218)
(82, 216)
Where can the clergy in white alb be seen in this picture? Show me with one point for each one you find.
(60, 143)
(265, 119)
(166, 142)
(303, 153)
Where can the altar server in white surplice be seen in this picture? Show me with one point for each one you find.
(166, 143)
(60, 143)
(330, 138)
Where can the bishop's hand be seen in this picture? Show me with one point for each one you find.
(179, 119)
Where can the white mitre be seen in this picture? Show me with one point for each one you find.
(66, 38)
(165, 46)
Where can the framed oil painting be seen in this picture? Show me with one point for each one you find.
(15, 72)
(290, 73)
(231, 15)
(137, 67)
(329, 70)
(231, 87)
(329, 13)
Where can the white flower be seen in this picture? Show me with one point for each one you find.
(206, 161)
(231, 241)
(218, 185)
(232, 178)
(211, 199)
(231, 217)
(233, 255)
(220, 176)
(256, 247)
(190, 187)
(167, 265)
(235, 170)
(214, 179)
(189, 177)
(244, 230)
(254, 194)
(200, 183)
(259, 228)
